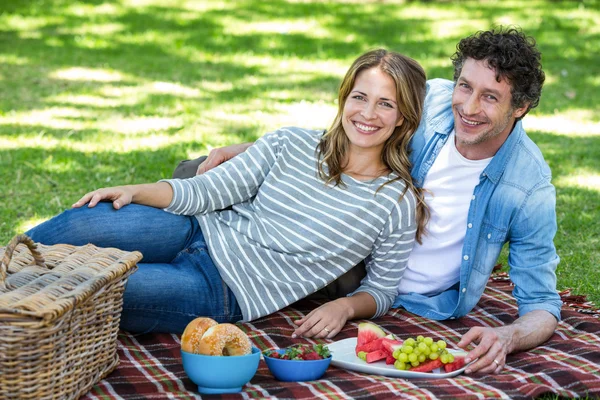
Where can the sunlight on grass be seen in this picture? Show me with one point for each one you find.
(294, 66)
(82, 9)
(138, 125)
(29, 23)
(450, 28)
(174, 89)
(109, 96)
(158, 38)
(141, 91)
(190, 5)
(310, 27)
(87, 74)
(89, 100)
(117, 146)
(93, 29)
(293, 114)
(589, 181)
(27, 224)
(52, 117)
(578, 123)
(13, 59)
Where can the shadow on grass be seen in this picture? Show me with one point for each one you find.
(172, 48)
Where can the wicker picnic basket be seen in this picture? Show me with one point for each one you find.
(60, 308)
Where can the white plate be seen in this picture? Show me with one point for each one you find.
(344, 356)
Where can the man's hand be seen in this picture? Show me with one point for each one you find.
(494, 344)
(219, 155)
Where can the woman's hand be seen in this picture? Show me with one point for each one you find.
(119, 195)
(325, 321)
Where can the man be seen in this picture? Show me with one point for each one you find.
(487, 184)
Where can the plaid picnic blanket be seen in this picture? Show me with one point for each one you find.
(568, 365)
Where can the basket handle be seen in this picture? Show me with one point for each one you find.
(26, 240)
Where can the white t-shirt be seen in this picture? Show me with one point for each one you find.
(435, 265)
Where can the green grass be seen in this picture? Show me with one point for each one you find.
(96, 93)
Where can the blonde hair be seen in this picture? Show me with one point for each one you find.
(409, 78)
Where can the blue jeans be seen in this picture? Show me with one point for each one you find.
(177, 280)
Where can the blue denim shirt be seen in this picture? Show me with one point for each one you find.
(514, 202)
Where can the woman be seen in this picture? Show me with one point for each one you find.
(306, 207)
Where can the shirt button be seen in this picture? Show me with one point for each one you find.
(473, 198)
(452, 317)
(470, 225)
(466, 258)
(489, 235)
(464, 289)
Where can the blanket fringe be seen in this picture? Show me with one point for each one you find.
(577, 302)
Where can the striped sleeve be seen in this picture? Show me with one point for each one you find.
(230, 183)
(389, 257)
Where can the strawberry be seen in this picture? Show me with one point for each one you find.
(312, 355)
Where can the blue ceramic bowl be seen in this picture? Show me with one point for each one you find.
(296, 370)
(220, 374)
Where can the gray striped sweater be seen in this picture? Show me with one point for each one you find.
(288, 234)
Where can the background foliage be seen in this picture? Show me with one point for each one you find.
(105, 92)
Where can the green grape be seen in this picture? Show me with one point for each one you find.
(441, 344)
(407, 349)
(422, 358)
(422, 346)
(399, 365)
(415, 364)
(403, 357)
(410, 342)
(434, 347)
(413, 357)
(428, 341)
(444, 358)
(396, 353)
(434, 356)
(420, 338)
(362, 355)
(450, 358)
(427, 351)
(417, 351)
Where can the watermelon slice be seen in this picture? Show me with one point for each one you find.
(370, 346)
(367, 332)
(390, 359)
(428, 366)
(390, 344)
(376, 356)
(458, 363)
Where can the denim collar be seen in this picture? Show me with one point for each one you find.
(496, 167)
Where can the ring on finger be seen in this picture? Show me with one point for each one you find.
(497, 363)
(326, 330)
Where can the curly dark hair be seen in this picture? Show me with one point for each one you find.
(513, 55)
